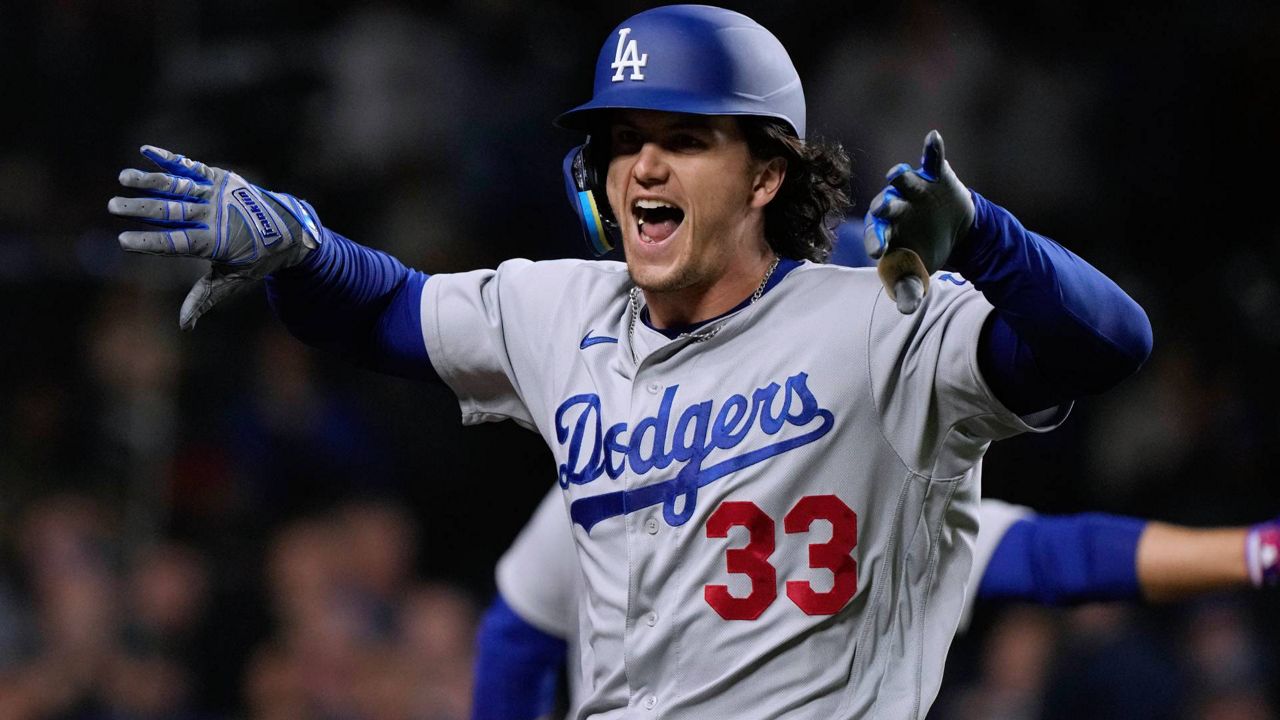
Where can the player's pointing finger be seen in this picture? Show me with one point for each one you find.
(931, 157)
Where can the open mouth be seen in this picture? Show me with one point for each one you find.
(656, 220)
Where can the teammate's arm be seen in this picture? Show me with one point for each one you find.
(1175, 562)
(1061, 329)
(522, 646)
(1071, 559)
(518, 666)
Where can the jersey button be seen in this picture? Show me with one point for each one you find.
(651, 526)
(650, 702)
(652, 619)
(654, 388)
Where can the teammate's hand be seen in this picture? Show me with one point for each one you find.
(207, 212)
(915, 221)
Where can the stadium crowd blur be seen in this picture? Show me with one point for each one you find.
(226, 524)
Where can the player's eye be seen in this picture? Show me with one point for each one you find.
(686, 141)
(625, 141)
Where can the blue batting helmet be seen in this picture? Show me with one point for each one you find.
(679, 58)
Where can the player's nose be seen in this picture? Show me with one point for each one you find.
(650, 166)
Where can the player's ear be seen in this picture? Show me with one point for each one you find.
(769, 175)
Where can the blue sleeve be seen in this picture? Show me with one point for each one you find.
(357, 302)
(1064, 560)
(517, 667)
(1061, 329)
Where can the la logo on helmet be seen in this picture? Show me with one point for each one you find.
(628, 57)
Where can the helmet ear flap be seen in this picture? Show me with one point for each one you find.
(585, 187)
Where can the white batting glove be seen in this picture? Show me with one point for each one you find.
(207, 212)
(915, 222)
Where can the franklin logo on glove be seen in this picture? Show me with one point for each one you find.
(265, 228)
(186, 204)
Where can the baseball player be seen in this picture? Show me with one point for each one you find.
(531, 628)
(772, 519)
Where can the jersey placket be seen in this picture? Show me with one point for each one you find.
(650, 647)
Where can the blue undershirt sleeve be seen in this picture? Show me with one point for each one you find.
(1061, 329)
(517, 667)
(357, 302)
(1065, 560)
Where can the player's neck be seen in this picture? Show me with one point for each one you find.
(695, 304)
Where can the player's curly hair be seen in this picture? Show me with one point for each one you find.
(800, 221)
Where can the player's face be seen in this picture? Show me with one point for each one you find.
(690, 198)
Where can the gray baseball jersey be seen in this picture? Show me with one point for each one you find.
(540, 579)
(773, 515)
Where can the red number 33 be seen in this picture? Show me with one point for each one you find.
(752, 559)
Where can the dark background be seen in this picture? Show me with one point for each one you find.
(1142, 137)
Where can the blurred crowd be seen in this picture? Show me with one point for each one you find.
(226, 524)
(342, 628)
(1204, 660)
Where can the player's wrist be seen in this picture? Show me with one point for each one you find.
(978, 239)
(310, 262)
(299, 217)
(302, 234)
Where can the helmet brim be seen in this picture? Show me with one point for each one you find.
(589, 116)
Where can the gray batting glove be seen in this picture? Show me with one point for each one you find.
(924, 211)
(207, 212)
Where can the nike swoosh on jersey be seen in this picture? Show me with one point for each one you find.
(588, 341)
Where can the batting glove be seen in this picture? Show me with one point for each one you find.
(914, 222)
(207, 212)
(1262, 553)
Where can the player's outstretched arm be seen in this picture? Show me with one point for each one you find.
(518, 662)
(357, 302)
(1071, 559)
(1061, 329)
(329, 291)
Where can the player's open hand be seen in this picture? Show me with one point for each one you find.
(915, 221)
(207, 212)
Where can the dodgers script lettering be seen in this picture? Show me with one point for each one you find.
(701, 429)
